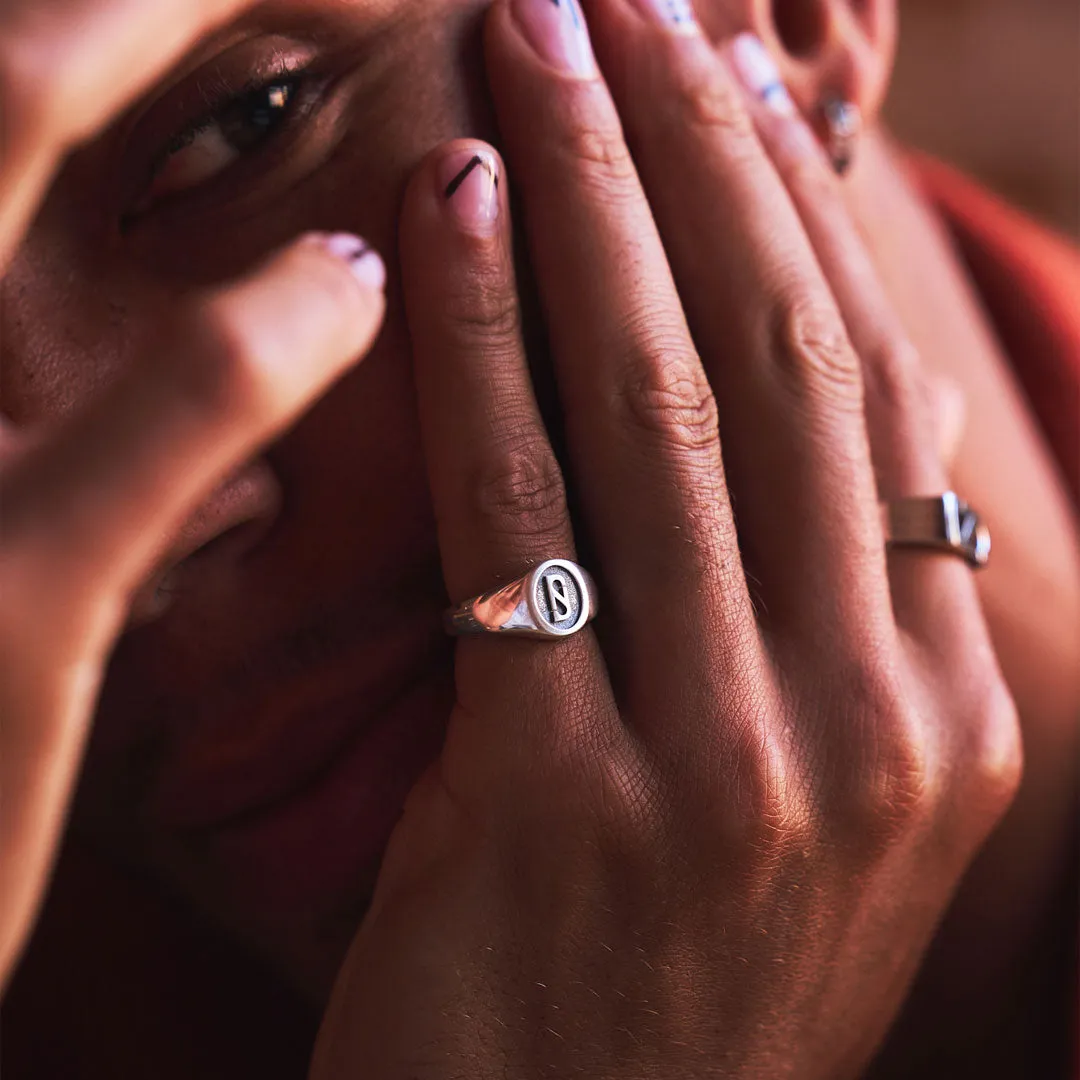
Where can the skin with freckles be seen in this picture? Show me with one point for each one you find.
(283, 681)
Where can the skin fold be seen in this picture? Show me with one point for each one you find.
(300, 601)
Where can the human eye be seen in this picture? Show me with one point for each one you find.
(208, 147)
(249, 123)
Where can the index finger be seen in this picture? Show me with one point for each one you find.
(67, 67)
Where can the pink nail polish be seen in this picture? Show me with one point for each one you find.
(556, 30)
(760, 74)
(469, 180)
(362, 259)
(674, 14)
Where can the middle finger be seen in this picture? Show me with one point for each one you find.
(640, 414)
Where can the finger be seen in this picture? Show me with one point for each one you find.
(67, 67)
(786, 378)
(640, 416)
(898, 407)
(496, 485)
(907, 425)
(86, 508)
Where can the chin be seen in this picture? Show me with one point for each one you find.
(280, 845)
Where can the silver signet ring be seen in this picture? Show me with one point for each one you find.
(555, 600)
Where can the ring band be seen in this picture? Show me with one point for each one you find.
(555, 600)
(943, 523)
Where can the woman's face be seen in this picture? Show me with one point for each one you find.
(257, 739)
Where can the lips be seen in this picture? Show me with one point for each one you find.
(321, 848)
(243, 755)
(291, 802)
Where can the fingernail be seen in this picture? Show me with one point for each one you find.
(674, 14)
(361, 257)
(760, 74)
(469, 180)
(556, 30)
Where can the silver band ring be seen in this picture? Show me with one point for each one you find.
(555, 600)
(943, 523)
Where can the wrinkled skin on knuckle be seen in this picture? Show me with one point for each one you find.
(483, 314)
(702, 96)
(594, 150)
(668, 403)
(896, 380)
(813, 356)
(519, 492)
(901, 790)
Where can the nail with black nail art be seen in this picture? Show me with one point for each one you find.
(556, 30)
(469, 180)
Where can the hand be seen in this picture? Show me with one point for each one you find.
(85, 504)
(713, 837)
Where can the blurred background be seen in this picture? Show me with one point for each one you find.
(993, 86)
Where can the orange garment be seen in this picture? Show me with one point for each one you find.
(1029, 281)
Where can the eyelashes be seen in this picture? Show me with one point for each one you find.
(236, 124)
(213, 144)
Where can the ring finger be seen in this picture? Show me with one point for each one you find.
(787, 380)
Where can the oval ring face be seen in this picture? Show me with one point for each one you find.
(559, 598)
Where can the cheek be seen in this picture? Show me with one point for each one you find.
(59, 344)
(84, 305)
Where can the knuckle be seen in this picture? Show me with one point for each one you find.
(895, 379)
(887, 783)
(771, 814)
(705, 100)
(519, 492)
(813, 354)
(484, 315)
(670, 402)
(218, 372)
(995, 764)
(903, 787)
(597, 149)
